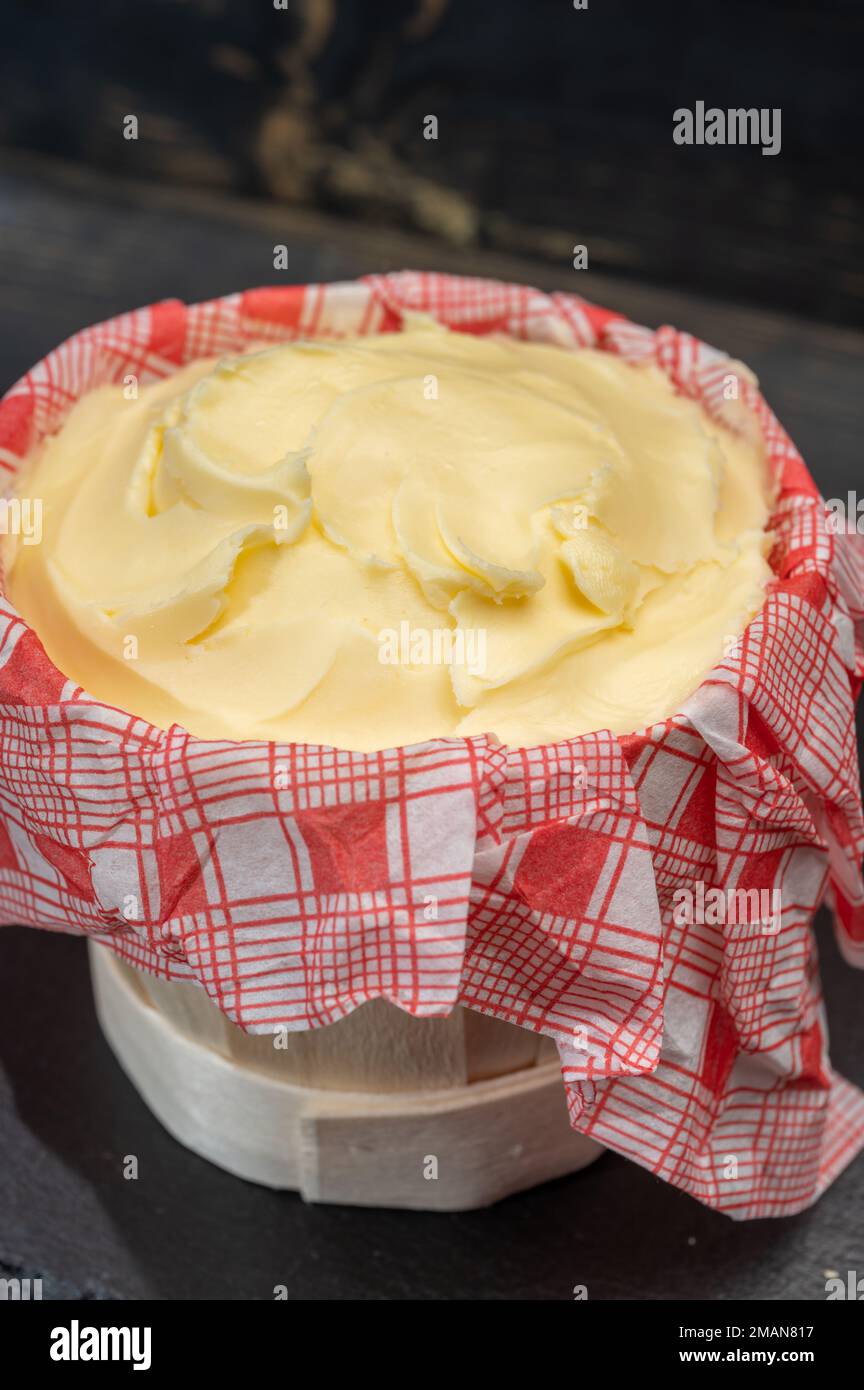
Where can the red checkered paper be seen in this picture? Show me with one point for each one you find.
(294, 882)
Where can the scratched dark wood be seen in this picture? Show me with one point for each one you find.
(555, 126)
(80, 247)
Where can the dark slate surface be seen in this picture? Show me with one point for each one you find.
(77, 249)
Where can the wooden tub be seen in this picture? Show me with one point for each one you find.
(379, 1109)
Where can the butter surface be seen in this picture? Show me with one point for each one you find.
(387, 539)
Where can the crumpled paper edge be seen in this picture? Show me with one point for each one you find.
(615, 1087)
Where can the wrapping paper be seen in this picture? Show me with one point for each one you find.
(539, 886)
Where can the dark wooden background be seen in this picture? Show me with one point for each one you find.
(555, 125)
(562, 132)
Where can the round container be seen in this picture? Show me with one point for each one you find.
(379, 1109)
(680, 1044)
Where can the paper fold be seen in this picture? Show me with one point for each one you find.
(293, 883)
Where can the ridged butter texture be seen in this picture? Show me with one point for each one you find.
(234, 549)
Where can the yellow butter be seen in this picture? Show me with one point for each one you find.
(378, 541)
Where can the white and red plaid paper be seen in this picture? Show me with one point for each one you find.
(293, 882)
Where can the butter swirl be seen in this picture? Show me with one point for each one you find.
(226, 550)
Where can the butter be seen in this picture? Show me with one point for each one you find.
(233, 550)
